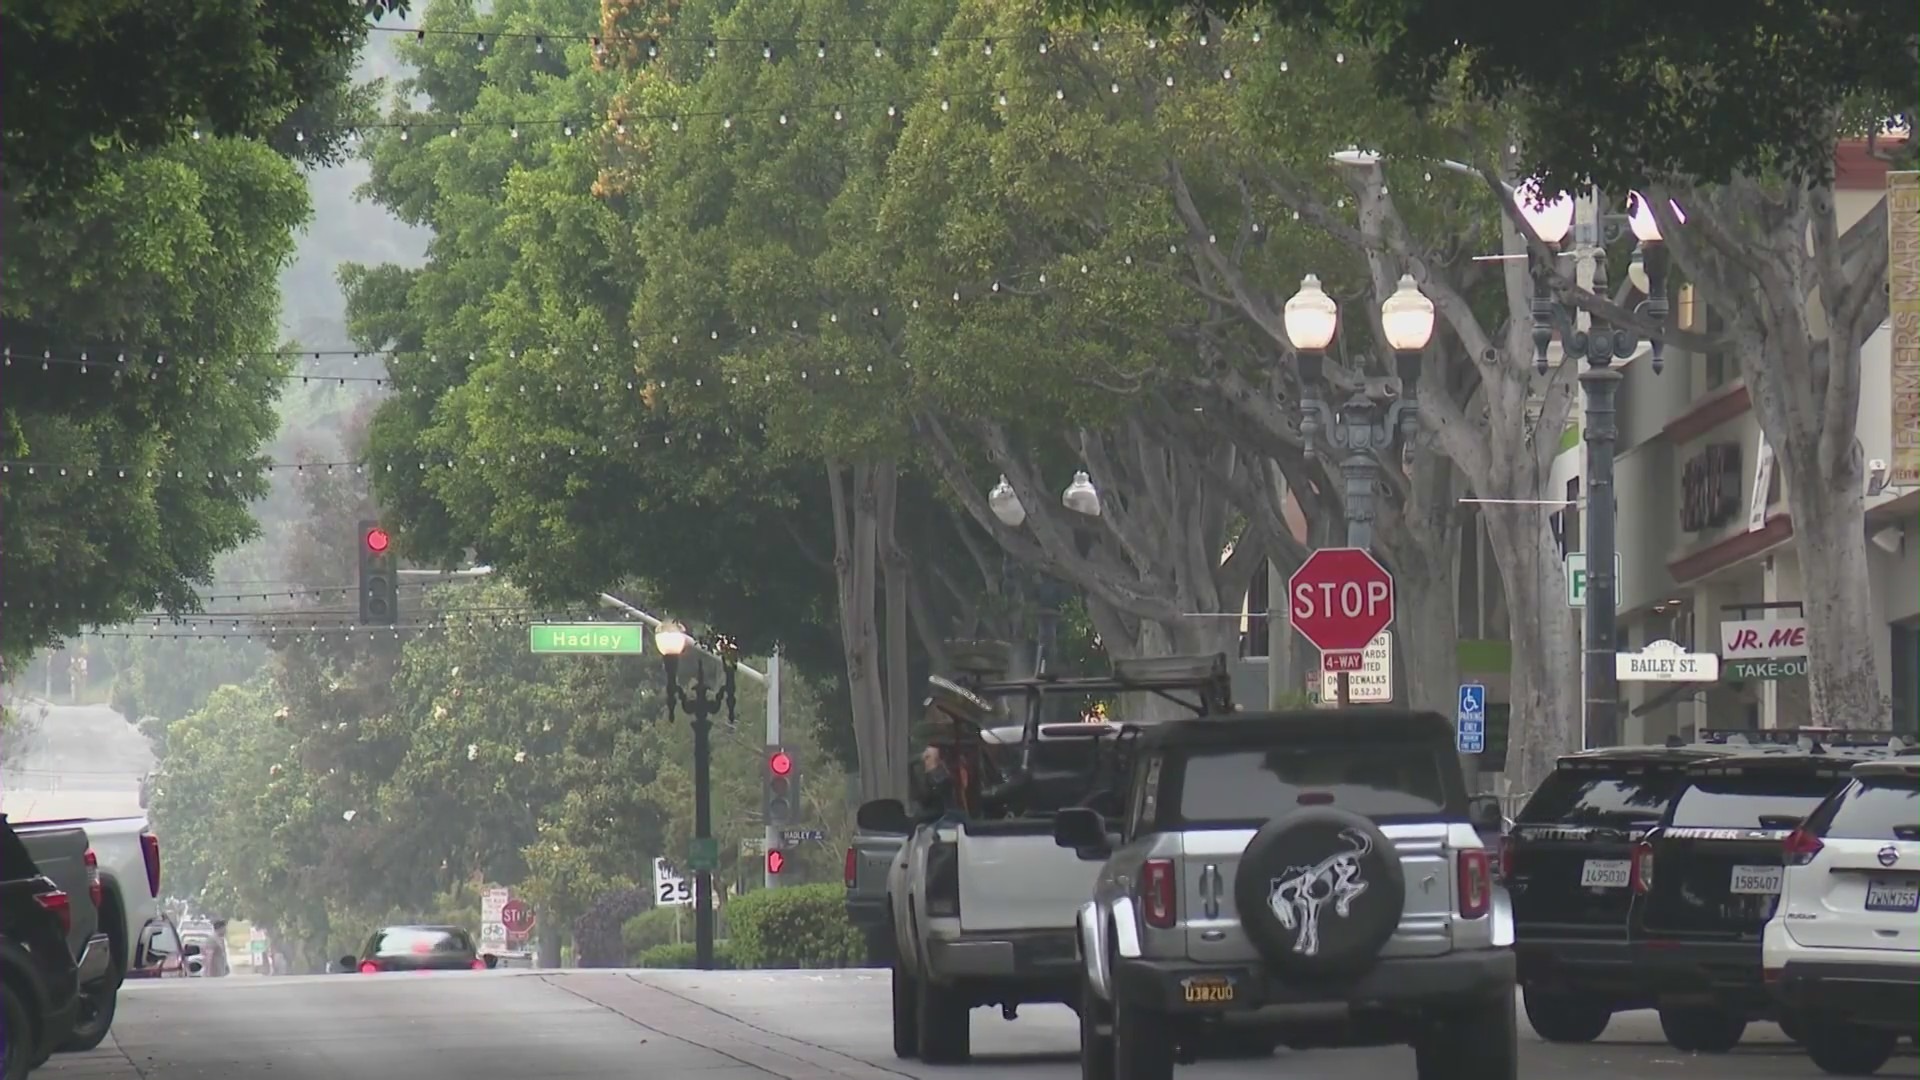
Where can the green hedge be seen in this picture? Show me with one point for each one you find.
(802, 926)
(647, 930)
(683, 955)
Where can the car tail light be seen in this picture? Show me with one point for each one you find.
(943, 880)
(60, 904)
(150, 851)
(1156, 893)
(851, 870)
(1640, 871)
(1506, 857)
(478, 964)
(1475, 872)
(96, 889)
(368, 967)
(1800, 847)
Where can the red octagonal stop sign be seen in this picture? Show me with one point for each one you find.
(1340, 599)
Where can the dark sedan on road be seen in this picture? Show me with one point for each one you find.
(418, 948)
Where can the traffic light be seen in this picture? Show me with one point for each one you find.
(780, 789)
(379, 585)
(776, 861)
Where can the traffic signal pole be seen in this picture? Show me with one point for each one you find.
(773, 739)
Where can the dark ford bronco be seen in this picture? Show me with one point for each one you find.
(1311, 877)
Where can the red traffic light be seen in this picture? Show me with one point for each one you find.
(378, 541)
(776, 861)
(781, 763)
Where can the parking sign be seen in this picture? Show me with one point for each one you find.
(1470, 730)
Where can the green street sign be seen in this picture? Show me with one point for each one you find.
(1742, 670)
(1577, 578)
(624, 639)
(703, 853)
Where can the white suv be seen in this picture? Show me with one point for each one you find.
(1842, 952)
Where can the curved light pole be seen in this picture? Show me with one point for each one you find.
(1079, 496)
(1360, 427)
(702, 703)
(1599, 346)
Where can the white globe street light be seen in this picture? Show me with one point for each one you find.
(1005, 503)
(1407, 317)
(1080, 496)
(1311, 317)
(671, 639)
(1640, 219)
(1551, 218)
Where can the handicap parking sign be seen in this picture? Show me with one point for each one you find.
(1471, 724)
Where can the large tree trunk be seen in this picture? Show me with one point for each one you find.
(856, 558)
(1545, 721)
(897, 626)
(1421, 539)
(1830, 537)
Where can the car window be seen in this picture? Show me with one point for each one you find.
(1244, 787)
(15, 860)
(1883, 808)
(407, 942)
(1751, 800)
(161, 941)
(1600, 797)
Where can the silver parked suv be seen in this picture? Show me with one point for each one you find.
(1310, 878)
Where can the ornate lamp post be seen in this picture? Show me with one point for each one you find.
(1599, 345)
(701, 703)
(1083, 499)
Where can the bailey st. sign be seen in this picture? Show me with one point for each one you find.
(1666, 661)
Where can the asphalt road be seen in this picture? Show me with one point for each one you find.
(722, 1026)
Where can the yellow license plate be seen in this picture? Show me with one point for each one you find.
(1209, 992)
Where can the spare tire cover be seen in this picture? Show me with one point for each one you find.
(1319, 892)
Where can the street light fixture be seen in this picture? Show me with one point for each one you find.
(1081, 497)
(702, 702)
(1005, 504)
(1600, 345)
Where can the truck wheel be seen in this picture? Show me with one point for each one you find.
(1142, 1043)
(96, 1018)
(1702, 1029)
(1566, 1018)
(906, 1030)
(1096, 1034)
(944, 1022)
(1843, 1049)
(1483, 1043)
(16, 1042)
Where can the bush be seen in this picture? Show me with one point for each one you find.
(648, 929)
(803, 926)
(683, 955)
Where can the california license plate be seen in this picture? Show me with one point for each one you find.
(1893, 894)
(1755, 881)
(1208, 990)
(1604, 874)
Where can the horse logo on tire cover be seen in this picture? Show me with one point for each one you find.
(1299, 894)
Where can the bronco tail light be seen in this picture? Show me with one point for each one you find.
(1475, 874)
(60, 904)
(1640, 871)
(1156, 893)
(150, 851)
(368, 967)
(851, 869)
(1800, 847)
(96, 889)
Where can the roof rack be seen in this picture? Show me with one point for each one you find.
(1810, 739)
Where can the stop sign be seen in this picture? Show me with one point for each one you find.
(517, 916)
(1340, 599)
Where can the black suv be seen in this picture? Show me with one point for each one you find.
(1567, 864)
(39, 981)
(1706, 880)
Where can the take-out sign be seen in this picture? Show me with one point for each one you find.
(1763, 639)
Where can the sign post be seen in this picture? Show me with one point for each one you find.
(1340, 600)
(1470, 728)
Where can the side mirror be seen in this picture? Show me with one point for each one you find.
(1484, 812)
(490, 960)
(347, 964)
(1081, 829)
(884, 816)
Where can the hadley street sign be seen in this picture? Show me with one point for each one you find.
(625, 639)
(1666, 661)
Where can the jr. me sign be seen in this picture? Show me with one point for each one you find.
(1763, 639)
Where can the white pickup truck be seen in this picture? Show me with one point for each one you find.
(981, 901)
(126, 854)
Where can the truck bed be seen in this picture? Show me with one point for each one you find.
(1013, 876)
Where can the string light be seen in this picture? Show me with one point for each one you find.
(713, 45)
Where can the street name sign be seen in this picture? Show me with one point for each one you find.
(1666, 661)
(796, 837)
(1577, 578)
(588, 639)
(703, 853)
(1339, 600)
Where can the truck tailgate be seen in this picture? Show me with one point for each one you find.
(1014, 877)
